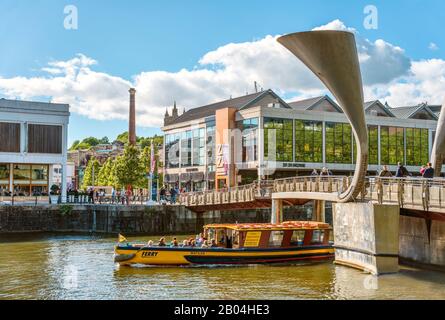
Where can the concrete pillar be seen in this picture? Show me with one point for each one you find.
(277, 211)
(366, 236)
(319, 213)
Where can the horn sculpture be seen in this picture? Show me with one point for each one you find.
(438, 152)
(332, 57)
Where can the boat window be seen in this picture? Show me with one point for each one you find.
(317, 237)
(297, 238)
(276, 238)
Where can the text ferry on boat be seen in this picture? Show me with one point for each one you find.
(237, 244)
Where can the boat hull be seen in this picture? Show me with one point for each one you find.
(129, 255)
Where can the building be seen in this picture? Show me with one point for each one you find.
(297, 137)
(33, 141)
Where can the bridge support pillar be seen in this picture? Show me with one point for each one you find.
(277, 211)
(366, 236)
(319, 211)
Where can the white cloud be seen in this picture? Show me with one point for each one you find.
(230, 70)
(432, 46)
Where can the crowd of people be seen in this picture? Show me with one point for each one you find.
(426, 171)
(198, 242)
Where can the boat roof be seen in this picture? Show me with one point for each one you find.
(287, 225)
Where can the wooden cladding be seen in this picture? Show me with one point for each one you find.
(9, 137)
(44, 139)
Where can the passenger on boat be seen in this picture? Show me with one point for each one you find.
(199, 239)
(185, 243)
(162, 242)
(213, 243)
(193, 243)
(205, 244)
(150, 243)
(174, 242)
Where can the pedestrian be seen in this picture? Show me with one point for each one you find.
(385, 172)
(314, 172)
(172, 195)
(422, 170)
(429, 171)
(324, 172)
(162, 194)
(401, 171)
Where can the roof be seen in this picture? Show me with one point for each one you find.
(369, 104)
(287, 225)
(34, 105)
(238, 103)
(308, 104)
(410, 111)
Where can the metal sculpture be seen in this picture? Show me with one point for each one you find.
(438, 152)
(332, 57)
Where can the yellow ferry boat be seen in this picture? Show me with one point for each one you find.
(237, 244)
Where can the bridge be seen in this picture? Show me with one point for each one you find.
(417, 194)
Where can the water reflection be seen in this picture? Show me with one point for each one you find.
(81, 267)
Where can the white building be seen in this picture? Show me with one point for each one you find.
(33, 141)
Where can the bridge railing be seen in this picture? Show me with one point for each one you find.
(327, 184)
(418, 193)
(238, 194)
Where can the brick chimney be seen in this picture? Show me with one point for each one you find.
(132, 118)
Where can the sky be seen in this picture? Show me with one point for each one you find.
(197, 52)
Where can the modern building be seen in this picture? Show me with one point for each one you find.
(33, 141)
(297, 137)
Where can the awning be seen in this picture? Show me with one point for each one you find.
(197, 176)
(185, 177)
(171, 178)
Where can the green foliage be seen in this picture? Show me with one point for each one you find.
(103, 178)
(128, 168)
(87, 143)
(65, 209)
(88, 176)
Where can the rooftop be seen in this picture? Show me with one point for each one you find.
(34, 106)
(287, 225)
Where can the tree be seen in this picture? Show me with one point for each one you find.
(103, 178)
(129, 169)
(88, 175)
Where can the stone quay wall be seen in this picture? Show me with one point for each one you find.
(139, 219)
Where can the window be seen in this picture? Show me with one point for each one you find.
(284, 139)
(210, 146)
(392, 145)
(186, 149)
(276, 238)
(308, 141)
(373, 143)
(198, 144)
(172, 150)
(338, 143)
(297, 238)
(9, 137)
(417, 149)
(317, 237)
(249, 131)
(44, 139)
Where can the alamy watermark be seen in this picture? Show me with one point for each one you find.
(371, 21)
(70, 277)
(71, 21)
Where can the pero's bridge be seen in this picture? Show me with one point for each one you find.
(416, 194)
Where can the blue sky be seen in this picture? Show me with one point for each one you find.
(129, 40)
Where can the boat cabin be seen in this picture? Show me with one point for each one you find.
(266, 235)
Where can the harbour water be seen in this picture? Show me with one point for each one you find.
(45, 266)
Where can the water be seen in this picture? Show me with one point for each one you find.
(81, 267)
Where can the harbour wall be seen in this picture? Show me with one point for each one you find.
(137, 219)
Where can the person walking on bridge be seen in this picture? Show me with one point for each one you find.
(401, 171)
(429, 171)
(385, 172)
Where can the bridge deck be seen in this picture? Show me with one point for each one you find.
(409, 193)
